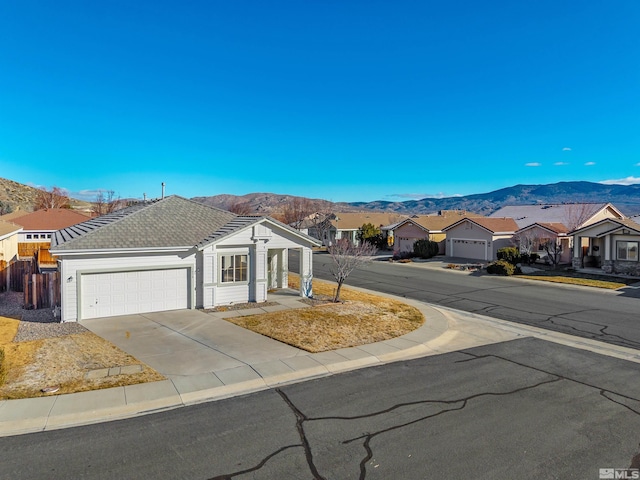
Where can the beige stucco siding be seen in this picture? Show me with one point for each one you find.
(9, 248)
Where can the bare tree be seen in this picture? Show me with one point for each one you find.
(320, 221)
(106, 202)
(55, 197)
(240, 208)
(298, 210)
(346, 258)
(576, 214)
(553, 247)
(525, 241)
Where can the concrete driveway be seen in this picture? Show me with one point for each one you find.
(188, 342)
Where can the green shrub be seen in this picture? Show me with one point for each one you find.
(509, 254)
(501, 267)
(425, 248)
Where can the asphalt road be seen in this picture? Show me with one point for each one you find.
(605, 315)
(525, 409)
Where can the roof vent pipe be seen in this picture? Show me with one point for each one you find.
(163, 190)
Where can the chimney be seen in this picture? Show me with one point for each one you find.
(163, 190)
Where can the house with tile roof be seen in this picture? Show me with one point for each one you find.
(426, 227)
(346, 225)
(479, 238)
(173, 254)
(611, 244)
(545, 239)
(39, 226)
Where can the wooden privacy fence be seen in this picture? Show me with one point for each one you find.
(15, 272)
(4, 284)
(42, 290)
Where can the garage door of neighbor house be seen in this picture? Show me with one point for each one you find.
(123, 293)
(475, 249)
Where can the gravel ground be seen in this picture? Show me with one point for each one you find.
(34, 324)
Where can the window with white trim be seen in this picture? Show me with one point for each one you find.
(233, 268)
(627, 251)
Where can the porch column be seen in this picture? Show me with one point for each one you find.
(306, 272)
(283, 268)
(259, 264)
(607, 247)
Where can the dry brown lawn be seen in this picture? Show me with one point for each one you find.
(62, 362)
(361, 319)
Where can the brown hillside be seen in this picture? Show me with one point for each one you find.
(22, 197)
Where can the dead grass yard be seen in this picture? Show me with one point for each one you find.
(361, 319)
(62, 362)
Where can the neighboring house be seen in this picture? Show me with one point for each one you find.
(9, 241)
(572, 215)
(611, 244)
(429, 227)
(346, 225)
(172, 254)
(534, 237)
(39, 226)
(479, 238)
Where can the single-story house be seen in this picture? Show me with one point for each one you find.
(426, 227)
(533, 238)
(573, 215)
(611, 244)
(479, 238)
(173, 253)
(39, 226)
(346, 225)
(9, 241)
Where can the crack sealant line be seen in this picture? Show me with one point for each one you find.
(596, 346)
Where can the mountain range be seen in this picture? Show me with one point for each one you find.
(625, 197)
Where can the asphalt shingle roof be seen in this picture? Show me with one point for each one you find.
(525, 215)
(50, 219)
(8, 227)
(171, 222)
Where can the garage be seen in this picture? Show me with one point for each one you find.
(108, 294)
(476, 249)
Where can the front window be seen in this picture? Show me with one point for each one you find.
(233, 268)
(628, 251)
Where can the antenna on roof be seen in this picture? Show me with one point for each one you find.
(163, 189)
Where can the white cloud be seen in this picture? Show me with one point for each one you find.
(533, 164)
(622, 181)
(559, 164)
(590, 164)
(637, 165)
(566, 149)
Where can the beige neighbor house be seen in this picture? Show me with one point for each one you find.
(571, 215)
(545, 240)
(9, 241)
(426, 227)
(611, 244)
(479, 238)
(172, 254)
(347, 224)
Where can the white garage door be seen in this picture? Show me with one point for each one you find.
(124, 293)
(475, 249)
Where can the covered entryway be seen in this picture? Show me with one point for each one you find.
(108, 294)
(467, 248)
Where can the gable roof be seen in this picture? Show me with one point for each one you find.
(565, 213)
(49, 219)
(616, 223)
(8, 217)
(173, 222)
(556, 228)
(493, 225)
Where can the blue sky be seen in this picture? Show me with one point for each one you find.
(342, 100)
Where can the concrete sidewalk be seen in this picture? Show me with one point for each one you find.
(243, 362)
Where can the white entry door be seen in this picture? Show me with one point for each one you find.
(123, 293)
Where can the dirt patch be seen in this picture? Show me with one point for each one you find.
(360, 319)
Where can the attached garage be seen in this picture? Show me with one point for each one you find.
(476, 249)
(108, 294)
